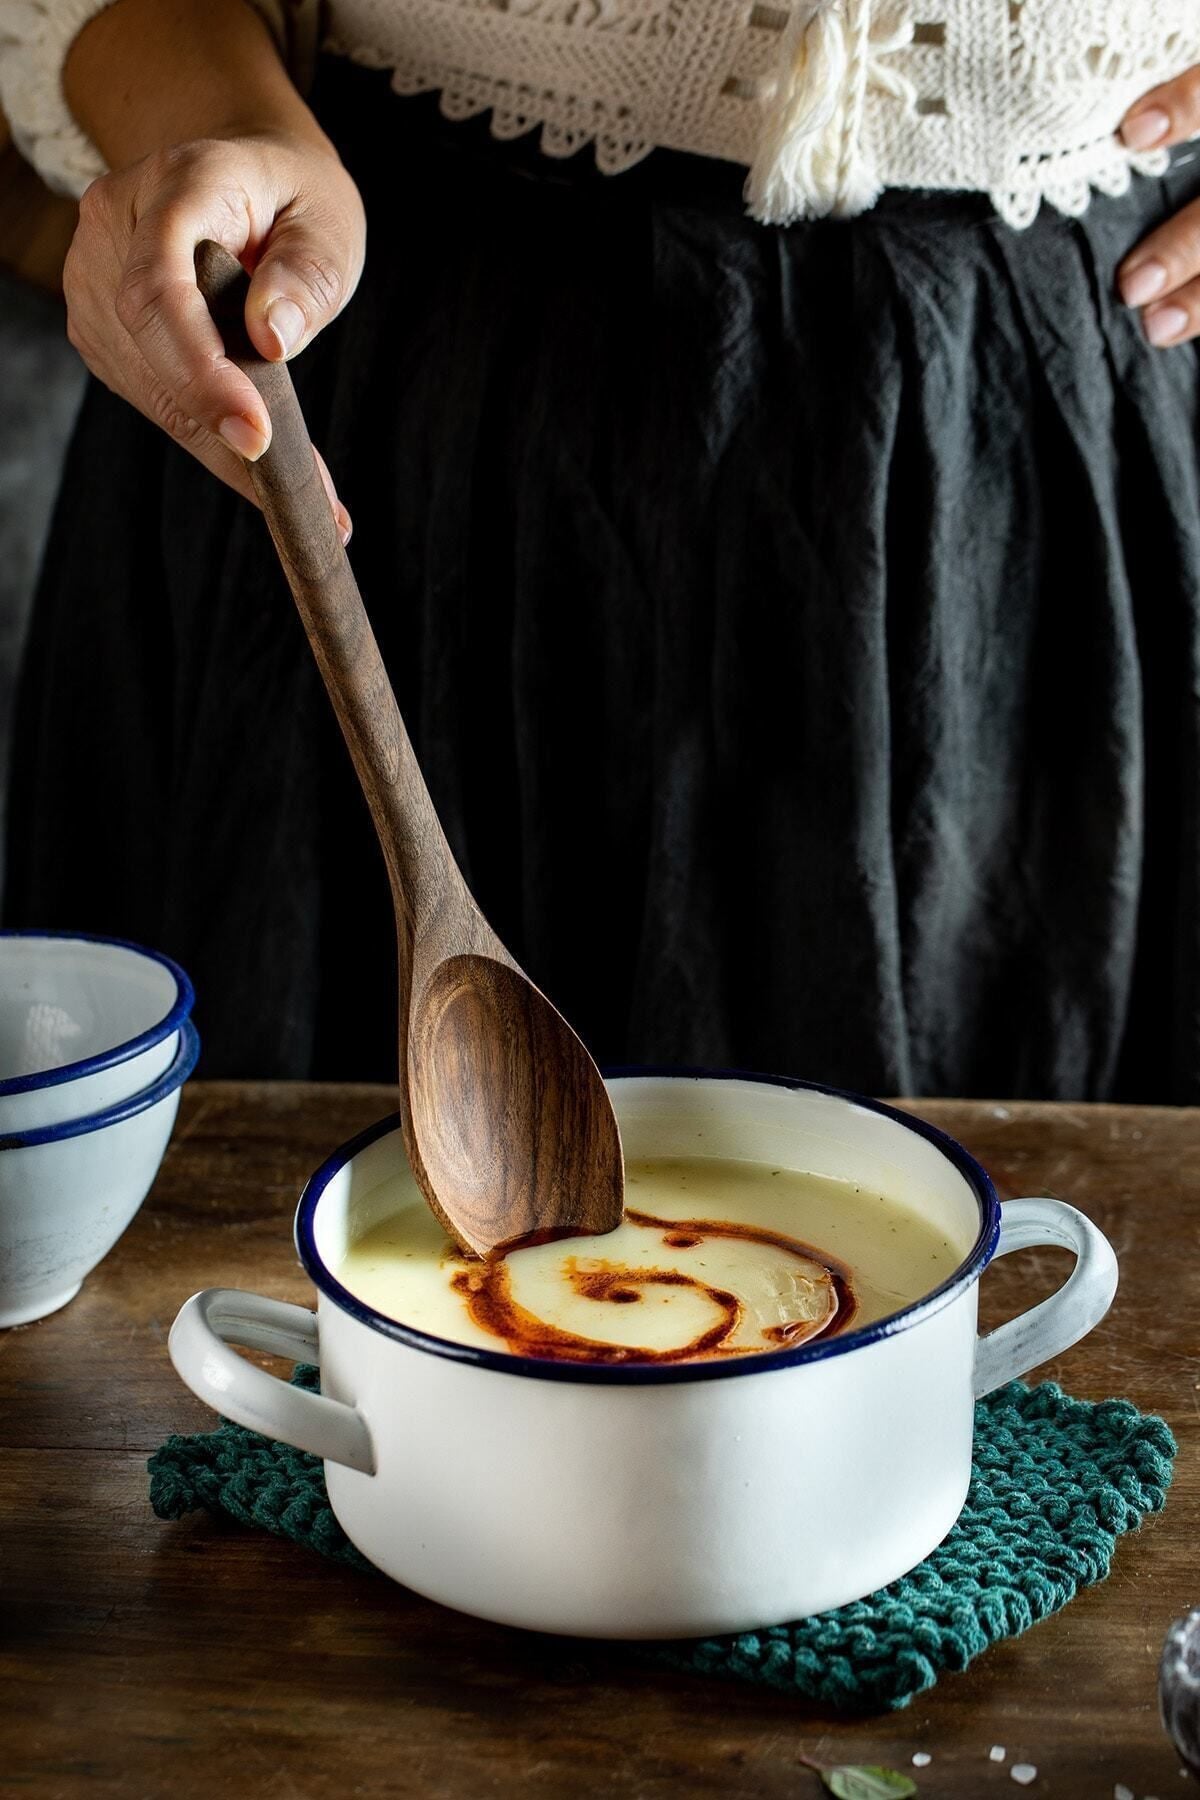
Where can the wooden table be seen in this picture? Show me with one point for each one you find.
(141, 1659)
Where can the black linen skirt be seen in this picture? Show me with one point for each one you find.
(798, 629)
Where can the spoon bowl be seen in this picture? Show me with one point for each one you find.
(529, 1140)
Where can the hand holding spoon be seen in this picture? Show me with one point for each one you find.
(507, 1123)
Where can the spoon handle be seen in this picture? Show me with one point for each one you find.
(293, 500)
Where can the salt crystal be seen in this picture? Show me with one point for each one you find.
(997, 1753)
(1121, 1792)
(1023, 1773)
(922, 1760)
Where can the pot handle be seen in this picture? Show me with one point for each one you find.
(199, 1347)
(1055, 1324)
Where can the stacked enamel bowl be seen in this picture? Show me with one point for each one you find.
(96, 1041)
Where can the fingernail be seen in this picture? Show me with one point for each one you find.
(326, 479)
(1165, 324)
(1145, 129)
(341, 517)
(287, 322)
(243, 437)
(1143, 283)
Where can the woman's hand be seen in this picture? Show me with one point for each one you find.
(285, 206)
(193, 110)
(1162, 276)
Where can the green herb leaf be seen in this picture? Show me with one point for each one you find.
(870, 1783)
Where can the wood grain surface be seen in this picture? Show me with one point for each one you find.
(199, 1661)
(507, 1124)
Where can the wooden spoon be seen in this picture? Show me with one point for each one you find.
(507, 1123)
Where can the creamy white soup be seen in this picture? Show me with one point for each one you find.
(712, 1259)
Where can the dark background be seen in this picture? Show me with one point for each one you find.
(41, 382)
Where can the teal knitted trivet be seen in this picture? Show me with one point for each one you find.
(1055, 1483)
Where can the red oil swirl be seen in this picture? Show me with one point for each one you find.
(486, 1288)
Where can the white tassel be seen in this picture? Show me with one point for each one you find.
(810, 162)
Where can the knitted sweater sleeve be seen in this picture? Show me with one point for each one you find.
(35, 36)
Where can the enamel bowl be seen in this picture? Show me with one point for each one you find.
(68, 1191)
(655, 1500)
(85, 1023)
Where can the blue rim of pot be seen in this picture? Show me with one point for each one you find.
(633, 1374)
(168, 1081)
(180, 1010)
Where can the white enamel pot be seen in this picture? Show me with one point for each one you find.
(671, 1500)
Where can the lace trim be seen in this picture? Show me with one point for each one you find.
(1073, 42)
(604, 42)
(1064, 179)
(565, 124)
(1075, 46)
(1067, 181)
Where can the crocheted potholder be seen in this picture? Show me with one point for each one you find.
(1055, 1482)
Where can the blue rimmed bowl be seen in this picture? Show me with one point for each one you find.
(635, 1500)
(68, 1191)
(85, 1023)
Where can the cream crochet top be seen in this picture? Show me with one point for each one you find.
(826, 102)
